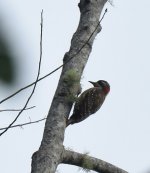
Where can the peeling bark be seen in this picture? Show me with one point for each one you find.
(49, 155)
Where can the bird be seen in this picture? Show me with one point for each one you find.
(89, 102)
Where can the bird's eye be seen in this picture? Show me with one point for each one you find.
(100, 82)
(104, 83)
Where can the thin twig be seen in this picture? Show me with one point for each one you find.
(57, 67)
(11, 110)
(35, 81)
(24, 124)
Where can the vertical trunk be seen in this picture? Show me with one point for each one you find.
(47, 158)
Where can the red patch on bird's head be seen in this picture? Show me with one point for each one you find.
(106, 89)
(103, 84)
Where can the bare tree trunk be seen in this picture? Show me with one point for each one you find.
(51, 151)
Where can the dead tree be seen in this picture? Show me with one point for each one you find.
(51, 152)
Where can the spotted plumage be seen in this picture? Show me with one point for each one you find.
(89, 101)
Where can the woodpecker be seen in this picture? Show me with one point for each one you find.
(89, 101)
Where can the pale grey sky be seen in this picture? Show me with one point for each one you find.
(119, 132)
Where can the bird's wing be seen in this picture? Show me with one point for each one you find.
(88, 103)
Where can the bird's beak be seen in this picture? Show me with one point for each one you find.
(92, 82)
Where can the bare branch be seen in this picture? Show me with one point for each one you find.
(35, 81)
(57, 67)
(24, 124)
(88, 162)
(6, 110)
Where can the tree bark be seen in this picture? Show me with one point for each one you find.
(49, 155)
(90, 163)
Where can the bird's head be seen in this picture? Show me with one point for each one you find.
(102, 84)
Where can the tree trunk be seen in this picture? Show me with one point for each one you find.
(50, 153)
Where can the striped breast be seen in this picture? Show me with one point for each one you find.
(88, 103)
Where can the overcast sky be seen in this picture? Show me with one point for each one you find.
(119, 132)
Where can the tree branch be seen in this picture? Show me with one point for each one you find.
(38, 74)
(47, 158)
(32, 122)
(88, 162)
(50, 73)
(14, 110)
(24, 124)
